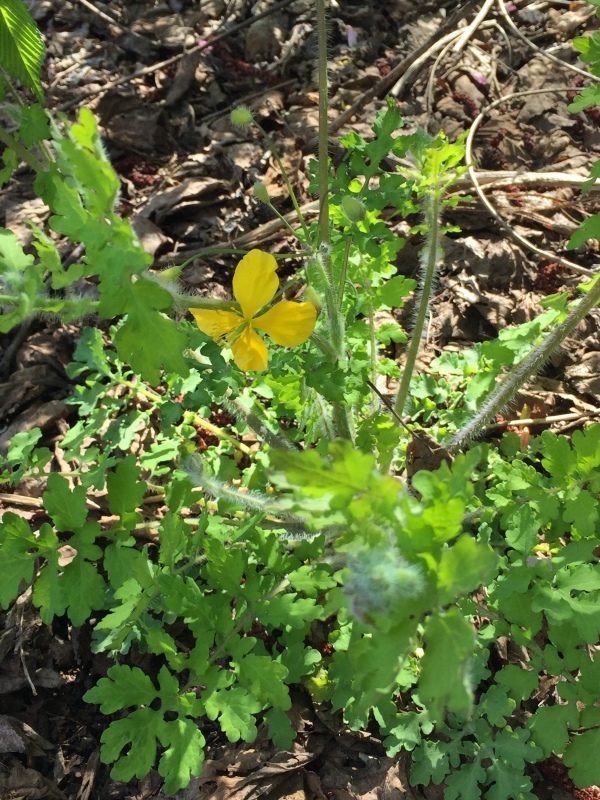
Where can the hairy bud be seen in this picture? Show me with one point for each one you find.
(241, 116)
(353, 208)
(379, 579)
(261, 192)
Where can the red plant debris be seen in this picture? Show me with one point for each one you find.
(469, 103)
(137, 169)
(238, 68)
(547, 280)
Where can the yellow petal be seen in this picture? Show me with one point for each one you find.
(216, 323)
(255, 282)
(287, 323)
(250, 352)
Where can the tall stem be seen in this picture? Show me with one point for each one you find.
(322, 259)
(529, 366)
(432, 255)
(324, 233)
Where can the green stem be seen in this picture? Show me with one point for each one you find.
(286, 224)
(342, 421)
(341, 414)
(185, 301)
(324, 346)
(288, 185)
(50, 305)
(324, 233)
(21, 151)
(373, 344)
(522, 372)
(432, 254)
(342, 285)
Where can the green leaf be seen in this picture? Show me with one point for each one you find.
(393, 292)
(445, 668)
(465, 782)
(235, 710)
(463, 567)
(185, 755)
(430, 763)
(281, 730)
(83, 588)
(34, 125)
(522, 529)
(559, 458)
(265, 680)
(582, 510)
(506, 771)
(581, 756)
(21, 45)
(345, 473)
(586, 445)
(124, 488)
(123, 687)
(590, 227)
(496, 706)
(359, 690)
(11, 161)
(12, 255)
(406, 733)
(173, 538)
(65, 504)
(16, 560)
(590, 96)
(550, 727)
(82, 157)
(159, 642)
(139, 732)
(520, 683)
(48, 593)
(148, 340)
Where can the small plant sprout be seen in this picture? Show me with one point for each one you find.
(255, 283)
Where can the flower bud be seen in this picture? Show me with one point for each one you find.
(169, 275)
(379, 579)
(312, 297)
(353, 208)
(241, 116)
(261, 192)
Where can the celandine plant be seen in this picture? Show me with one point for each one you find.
(304, 558)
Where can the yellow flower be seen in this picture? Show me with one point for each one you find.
(254, 285)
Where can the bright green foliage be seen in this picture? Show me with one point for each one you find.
(21, 46)
(445, 681)
(81, 189)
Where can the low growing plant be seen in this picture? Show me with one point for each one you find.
(307, 556)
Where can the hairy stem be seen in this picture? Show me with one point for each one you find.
(524, 370)
(21, 151)
(432, 255)
(324, 233)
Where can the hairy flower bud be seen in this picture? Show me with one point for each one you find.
(378, 579)
(312, 297)
(241, 116)
(261, 192)
(353, 208)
